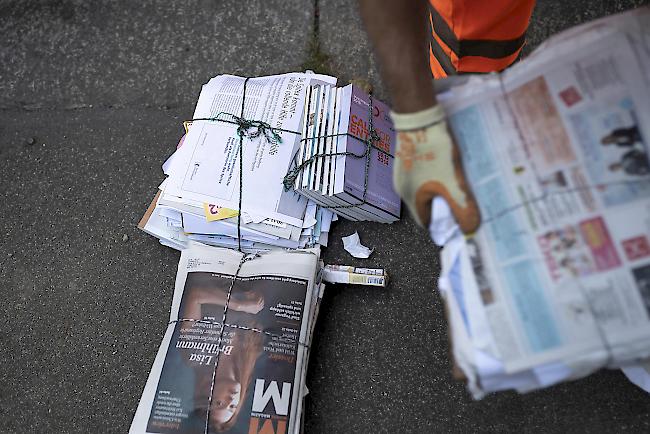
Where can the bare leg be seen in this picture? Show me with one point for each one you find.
(398, 31)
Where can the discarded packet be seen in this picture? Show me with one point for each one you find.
(355, 275)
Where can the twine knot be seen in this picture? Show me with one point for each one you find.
(290, 178)
(373, 136)
(244, 127)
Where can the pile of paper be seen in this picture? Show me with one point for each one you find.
(234, 356)
(200, 198)
(556, 283)
(337, 171)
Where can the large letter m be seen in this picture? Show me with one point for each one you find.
(261, 397)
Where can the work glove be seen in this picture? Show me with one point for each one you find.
(428, 164)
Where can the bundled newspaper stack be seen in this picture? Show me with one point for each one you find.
(346, 154)
(200, 198)
(556, 283)
(234, 356)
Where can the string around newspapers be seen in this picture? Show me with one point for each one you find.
(271, 134)
(263, 129)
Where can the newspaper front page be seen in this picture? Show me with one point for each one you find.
(240, 369)
(556, 151)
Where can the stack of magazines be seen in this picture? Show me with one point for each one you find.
(337, 171)
(200, 198)
(556, 282)
(234, 356)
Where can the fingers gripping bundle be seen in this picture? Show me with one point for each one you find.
(428, 165)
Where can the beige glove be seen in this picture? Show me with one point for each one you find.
(427, 164)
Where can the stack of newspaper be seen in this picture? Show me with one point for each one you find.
(556, 283)
(355, 184)
(200, 198)
(235, 352)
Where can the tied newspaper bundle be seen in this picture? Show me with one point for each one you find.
(345, 160)
(234, 355)
(224, 183)
(556, 282)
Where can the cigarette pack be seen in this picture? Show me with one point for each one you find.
(355, 275)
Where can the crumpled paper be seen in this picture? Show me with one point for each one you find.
(352, 244)
(443, 227)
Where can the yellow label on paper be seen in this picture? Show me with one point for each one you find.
(357, 279)
(214, 212)
(187, 125)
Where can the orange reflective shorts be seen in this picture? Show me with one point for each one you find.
(476, 35)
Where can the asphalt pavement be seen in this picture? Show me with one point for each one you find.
(92, 96)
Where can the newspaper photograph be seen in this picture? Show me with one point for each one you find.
(234, 370)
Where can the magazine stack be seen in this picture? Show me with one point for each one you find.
(346, 154)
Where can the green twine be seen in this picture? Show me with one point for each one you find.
(373, 137)
(243, 130)
(244, 127)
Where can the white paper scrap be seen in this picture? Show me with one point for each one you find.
(443, 227)
(310, 215)
(639, 375)
(168, 164)
(352, 244)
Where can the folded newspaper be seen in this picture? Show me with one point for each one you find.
(199, 200)
(556, 283)
(234, 356)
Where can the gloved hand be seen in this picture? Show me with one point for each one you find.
(428, 164)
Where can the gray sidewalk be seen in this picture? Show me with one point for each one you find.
(91, 103)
